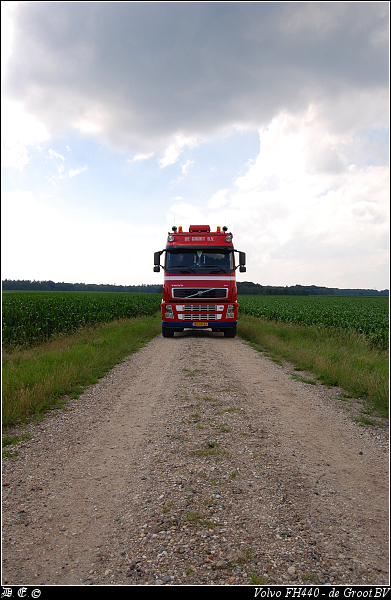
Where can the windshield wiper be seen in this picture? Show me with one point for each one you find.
(215, 267)
(183, 268)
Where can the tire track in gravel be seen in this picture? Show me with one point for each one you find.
(197, 461)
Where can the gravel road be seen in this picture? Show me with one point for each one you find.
(198, 461)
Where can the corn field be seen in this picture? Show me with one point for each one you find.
(366, 315)
(33, 317)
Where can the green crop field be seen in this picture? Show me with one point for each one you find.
(34, 317)
(317, 334)
(366, 315)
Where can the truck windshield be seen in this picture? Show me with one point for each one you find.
(200, 261)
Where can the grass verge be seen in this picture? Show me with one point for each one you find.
(35, 380)
(337, 357)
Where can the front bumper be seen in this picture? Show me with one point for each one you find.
(216, 325)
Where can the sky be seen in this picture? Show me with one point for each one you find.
(122, 119)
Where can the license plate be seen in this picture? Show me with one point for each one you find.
(200, 324)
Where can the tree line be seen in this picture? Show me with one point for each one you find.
(51, 286)
(244, 288)
(248, 287)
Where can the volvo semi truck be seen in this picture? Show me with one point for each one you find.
(199, 289)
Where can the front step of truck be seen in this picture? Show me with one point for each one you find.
(168, 332)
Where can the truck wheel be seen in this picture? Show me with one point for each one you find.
(230, 333)
(167, 332)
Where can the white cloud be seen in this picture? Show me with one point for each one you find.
(19, 131)
(74, 172)
(301, 216)
(218, 199)
(54, 154)
(186, 212)
(88, 126)
(60, 167)
(174, 150)
(186, 166)
(139, 157)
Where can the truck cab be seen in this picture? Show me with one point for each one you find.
(199, 289)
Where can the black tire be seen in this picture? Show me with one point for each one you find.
(167, 332)
(230, 333)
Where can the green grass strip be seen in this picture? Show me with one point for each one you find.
(337, 357)
(35, 380)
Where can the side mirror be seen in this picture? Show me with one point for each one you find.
(242, 269)
(156, 261)
(242, 259)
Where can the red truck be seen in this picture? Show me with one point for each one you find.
(199, 290)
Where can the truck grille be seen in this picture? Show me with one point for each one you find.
(200, 308)
(200, 317)
(200, 293)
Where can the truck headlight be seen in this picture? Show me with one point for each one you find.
(169, 312)
(230, 311)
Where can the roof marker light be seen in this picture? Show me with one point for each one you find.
(218, 229)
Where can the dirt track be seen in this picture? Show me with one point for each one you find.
(198, 461)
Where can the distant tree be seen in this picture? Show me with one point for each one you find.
(244, 287)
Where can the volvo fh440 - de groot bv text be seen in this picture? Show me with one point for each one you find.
(199, 290)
